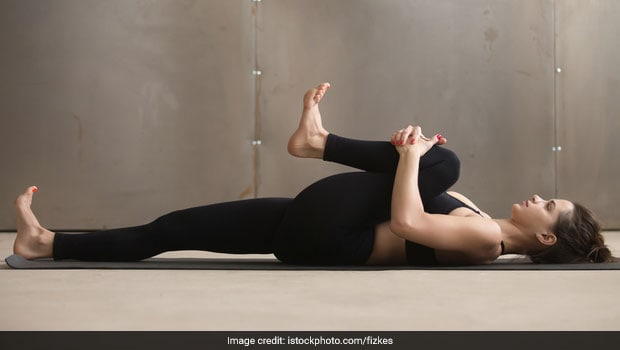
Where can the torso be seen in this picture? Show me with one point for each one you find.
(389, 249)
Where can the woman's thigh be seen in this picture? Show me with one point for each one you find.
(333, 220)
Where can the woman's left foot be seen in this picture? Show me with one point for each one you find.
(308, 141)
(33, 241)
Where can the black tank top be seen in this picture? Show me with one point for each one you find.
(420, 255)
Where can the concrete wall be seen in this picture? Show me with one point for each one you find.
(123, 110)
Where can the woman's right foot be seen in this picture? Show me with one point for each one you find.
(33, 241)
(308, 141)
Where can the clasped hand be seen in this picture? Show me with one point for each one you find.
(412, 139)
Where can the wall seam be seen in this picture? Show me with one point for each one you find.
(555, 104)
(256, 143)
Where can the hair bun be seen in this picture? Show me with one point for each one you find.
(600, 254)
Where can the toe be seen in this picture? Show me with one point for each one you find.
(30, 191)
(26, 197)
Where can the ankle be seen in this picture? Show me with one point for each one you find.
(316, 145)
(45, 243)
(321, 142)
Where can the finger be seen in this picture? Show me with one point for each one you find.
(406, 133)
(398, 137)
(416, 133)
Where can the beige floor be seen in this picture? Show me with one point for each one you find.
(307, 300)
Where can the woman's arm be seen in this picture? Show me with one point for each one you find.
(407, 207)
(409, 221)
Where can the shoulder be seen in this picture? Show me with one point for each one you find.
(469, 235)
(476, 238)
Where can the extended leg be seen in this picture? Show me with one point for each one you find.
(240, 227)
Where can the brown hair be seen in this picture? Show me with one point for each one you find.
(579, 239)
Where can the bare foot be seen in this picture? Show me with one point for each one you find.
(33, 241)
(308, 141)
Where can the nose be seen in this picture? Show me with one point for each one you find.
(536, 198)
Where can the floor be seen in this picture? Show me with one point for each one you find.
(307, 300)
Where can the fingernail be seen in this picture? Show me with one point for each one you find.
(439, 137)
(412, 141)
(34, 189)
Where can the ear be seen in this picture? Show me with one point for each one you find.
(547, 238)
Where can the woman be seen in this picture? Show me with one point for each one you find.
(396, 212)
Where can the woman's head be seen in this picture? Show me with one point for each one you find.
(577, 236)
(538, 217)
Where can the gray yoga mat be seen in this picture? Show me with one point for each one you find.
(18, 262)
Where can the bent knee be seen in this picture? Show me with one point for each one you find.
(450, 165)
(453, 165)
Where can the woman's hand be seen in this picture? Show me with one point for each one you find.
(412, 139)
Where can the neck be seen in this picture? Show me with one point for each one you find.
(515, 240)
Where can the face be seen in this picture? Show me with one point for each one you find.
(539, 215)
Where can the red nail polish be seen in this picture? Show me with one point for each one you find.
(35, 189)
(439, 137)
(412, 141)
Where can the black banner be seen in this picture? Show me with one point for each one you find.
(306, 340)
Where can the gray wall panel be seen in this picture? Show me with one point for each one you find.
(588, 105)
(122, 110)
(479, 72)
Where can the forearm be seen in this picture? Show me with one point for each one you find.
(407, 207)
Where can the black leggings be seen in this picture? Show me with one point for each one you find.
(330, 222)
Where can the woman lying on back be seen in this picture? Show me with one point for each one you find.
(397, 211)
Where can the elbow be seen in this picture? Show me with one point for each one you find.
(408, 226)
(400, 227)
